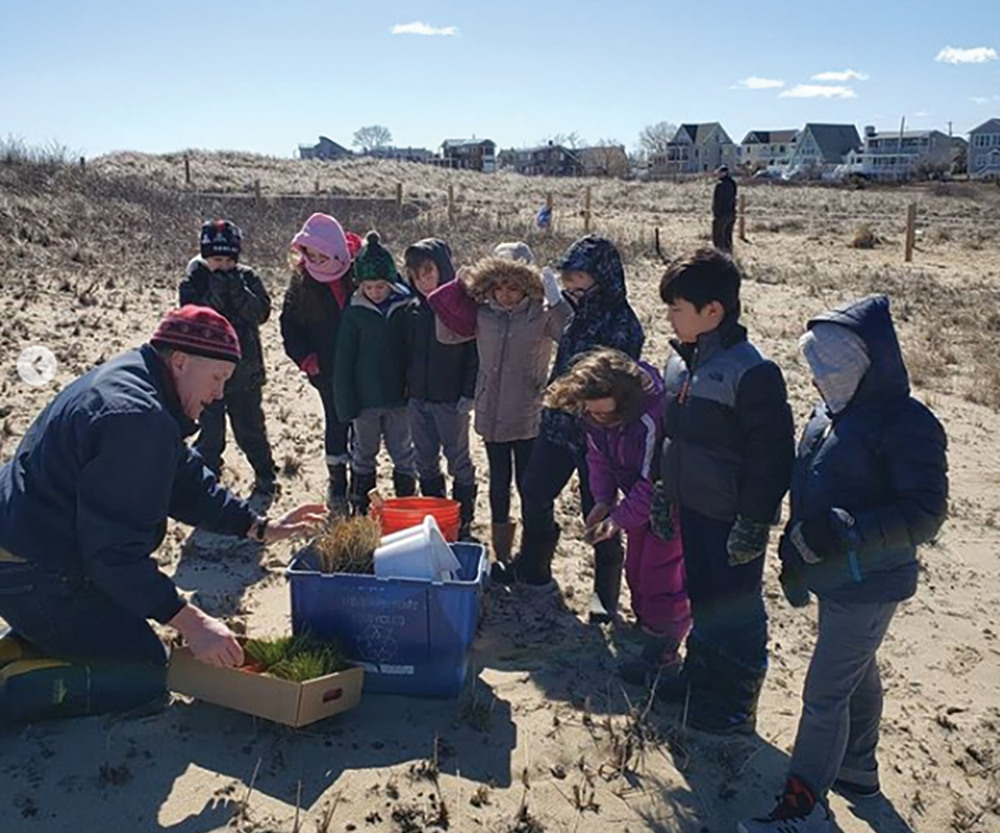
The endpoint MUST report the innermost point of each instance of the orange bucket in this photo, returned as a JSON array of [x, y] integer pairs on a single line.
[[397, 513]]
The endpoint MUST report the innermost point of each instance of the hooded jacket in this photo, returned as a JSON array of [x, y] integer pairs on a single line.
[[623, 458], [729, 440], [436, 372], [310, 320], [370, 365], [240, 296], [881, 462], [88, 492], [603, 318]]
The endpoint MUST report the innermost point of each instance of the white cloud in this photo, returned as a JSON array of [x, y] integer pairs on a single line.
[[976, 55], [755, 83], [846, 75], [817, 91], [978, 99], [921, 114], [418, 28]]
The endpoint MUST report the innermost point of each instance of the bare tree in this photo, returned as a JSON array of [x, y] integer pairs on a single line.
[[372, 138], [606, 158], [654, 138], [571, 140]]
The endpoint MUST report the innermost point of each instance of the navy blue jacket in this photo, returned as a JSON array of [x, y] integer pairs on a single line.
[[881, 461], [728, 434], [88, 492]]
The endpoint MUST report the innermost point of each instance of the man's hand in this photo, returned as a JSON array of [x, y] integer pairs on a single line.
[[210, 641], [308, 518]]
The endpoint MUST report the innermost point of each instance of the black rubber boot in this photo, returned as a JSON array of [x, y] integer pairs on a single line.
[[404, 485], [609, 556], [724, 691], [336, 491], [532, 566], [657, 662], [433, 486], [361, 485], [466, 497]]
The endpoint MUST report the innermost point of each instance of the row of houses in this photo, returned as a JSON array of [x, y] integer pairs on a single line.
[[816, 149], [830, 149]]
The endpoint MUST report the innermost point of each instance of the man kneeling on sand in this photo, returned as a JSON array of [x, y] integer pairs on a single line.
[[84, 504]]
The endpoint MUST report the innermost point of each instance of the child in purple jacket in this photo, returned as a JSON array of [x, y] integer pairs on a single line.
[[621, 401]]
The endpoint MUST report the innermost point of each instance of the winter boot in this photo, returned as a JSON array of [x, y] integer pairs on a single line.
[[336, 491], [657, 662], [503, 540], [724, 691], [361, 485], [404, 485], [465, 494], [433, 486], [532, 566], [609, 556]]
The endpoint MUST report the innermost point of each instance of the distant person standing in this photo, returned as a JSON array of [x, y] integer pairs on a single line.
[[723, 210]]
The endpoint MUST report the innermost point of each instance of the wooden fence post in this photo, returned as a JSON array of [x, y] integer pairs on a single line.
[[743, 217], [256, 188], [451, 204], [187, 169], [911, 224], [548, 205], [399, 199], [83, 163], [586, 211], [316, 188]]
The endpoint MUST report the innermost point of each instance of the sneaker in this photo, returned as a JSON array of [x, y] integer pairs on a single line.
[[797, 811], [856, 792]]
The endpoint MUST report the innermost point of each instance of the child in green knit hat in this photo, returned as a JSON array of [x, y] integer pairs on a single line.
[[369, 378]]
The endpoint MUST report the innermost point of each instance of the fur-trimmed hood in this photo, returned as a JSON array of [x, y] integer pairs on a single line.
[[481, 279]]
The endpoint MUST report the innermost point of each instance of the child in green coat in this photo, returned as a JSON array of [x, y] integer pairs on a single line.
[[369, 376]]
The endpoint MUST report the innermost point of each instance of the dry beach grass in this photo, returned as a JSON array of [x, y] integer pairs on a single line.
[[545, 738]]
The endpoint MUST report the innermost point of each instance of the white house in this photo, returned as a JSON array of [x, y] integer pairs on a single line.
[[767, 148], [890, 156], [822, 147], [695, 148], [984, 150]]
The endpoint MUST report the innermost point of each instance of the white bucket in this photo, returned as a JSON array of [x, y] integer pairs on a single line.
[[418, 552]]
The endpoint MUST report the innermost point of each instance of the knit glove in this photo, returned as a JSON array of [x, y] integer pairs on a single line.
[[823, 537], [661, 514], [553, 294], [465, 405], [310, 365], [747, 541], [793, 585]]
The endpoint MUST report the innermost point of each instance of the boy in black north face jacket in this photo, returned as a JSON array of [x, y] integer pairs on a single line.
[[725, 465], [215, 279]]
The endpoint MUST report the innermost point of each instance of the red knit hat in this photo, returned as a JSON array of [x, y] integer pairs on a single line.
[[199, 331]]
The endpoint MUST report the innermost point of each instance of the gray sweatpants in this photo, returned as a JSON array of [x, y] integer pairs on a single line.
[[374, 425], [842, 700], [437, 427]]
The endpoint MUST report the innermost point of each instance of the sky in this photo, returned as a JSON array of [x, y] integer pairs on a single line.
[[267, 75]]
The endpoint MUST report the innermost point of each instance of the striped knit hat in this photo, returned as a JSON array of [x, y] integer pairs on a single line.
[[199, 331]]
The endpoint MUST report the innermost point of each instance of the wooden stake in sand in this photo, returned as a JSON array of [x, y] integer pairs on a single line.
[[256, 188], [586, 211], [911, 228], [451, 204], [187, 169], [548, 206], [743, 217], [399, 199]]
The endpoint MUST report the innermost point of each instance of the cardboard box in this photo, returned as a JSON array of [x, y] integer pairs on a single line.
[[294, 704]]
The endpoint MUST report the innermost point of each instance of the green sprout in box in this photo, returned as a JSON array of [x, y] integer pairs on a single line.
[[296, 658]]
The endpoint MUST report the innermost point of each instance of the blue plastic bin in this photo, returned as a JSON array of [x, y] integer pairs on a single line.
[[411, 636]]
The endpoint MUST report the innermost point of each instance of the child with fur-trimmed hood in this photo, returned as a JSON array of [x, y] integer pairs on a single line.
[[516, 315]]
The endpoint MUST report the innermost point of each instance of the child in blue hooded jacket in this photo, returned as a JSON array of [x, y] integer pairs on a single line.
[[869, 486]]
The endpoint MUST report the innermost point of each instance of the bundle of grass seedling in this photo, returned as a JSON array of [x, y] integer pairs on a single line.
[[348, 546], [295, 658]]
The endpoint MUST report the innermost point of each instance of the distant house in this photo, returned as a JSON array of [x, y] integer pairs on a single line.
[[544, 160], [326, 149], [695, 148], [468, 154], [984, 150], [891, 157], [767, 148], [821, 147], [401, 154]]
